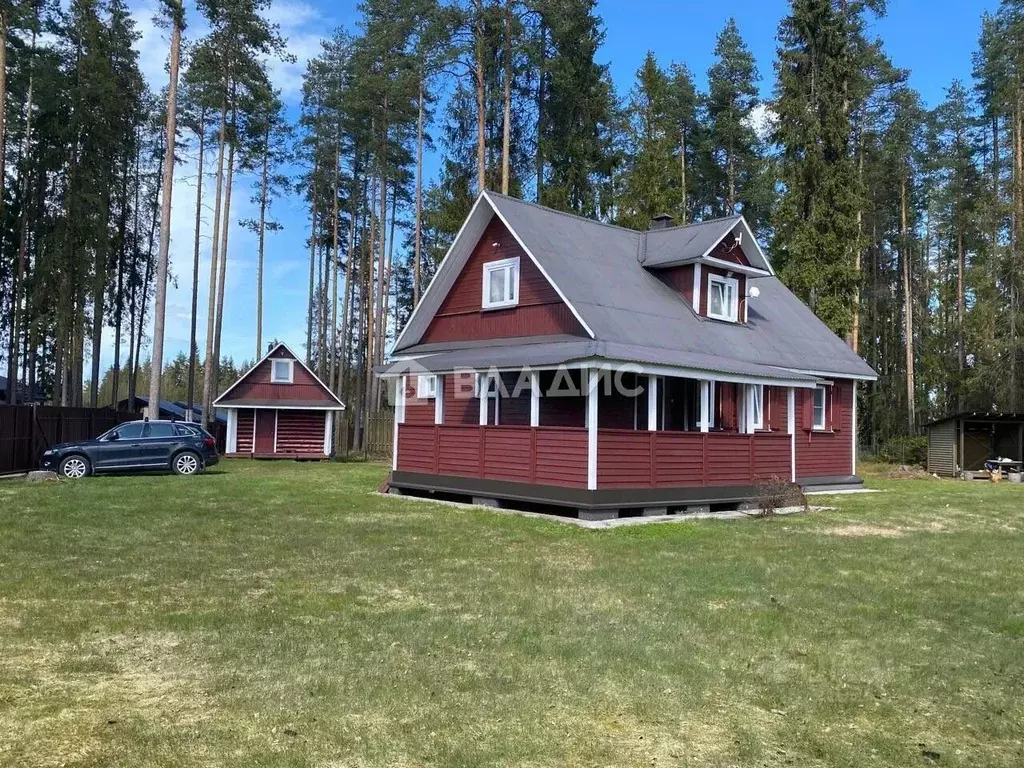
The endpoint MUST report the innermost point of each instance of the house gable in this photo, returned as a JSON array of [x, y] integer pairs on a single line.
[[256, 386], [540, 310]]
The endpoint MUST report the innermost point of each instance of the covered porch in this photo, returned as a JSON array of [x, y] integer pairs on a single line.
[[600, 438]]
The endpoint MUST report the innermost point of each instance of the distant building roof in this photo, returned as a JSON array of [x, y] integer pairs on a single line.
[[175, 409]]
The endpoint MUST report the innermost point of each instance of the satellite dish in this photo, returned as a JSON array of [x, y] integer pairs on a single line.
[[754, 292]]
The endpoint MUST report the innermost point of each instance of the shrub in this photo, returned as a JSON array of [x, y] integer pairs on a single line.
[[775, 494], [906, 449]]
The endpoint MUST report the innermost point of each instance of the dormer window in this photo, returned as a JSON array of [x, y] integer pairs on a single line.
[[282, 371], [723, 298], [501, 284]]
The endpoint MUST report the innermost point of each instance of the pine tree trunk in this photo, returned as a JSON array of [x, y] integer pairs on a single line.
[[223, 266], [209, 377], [858, 251], [18, 281], [160, 299], [312, 256], [264, 180], [115, 388], [347, 302], [908, 309], [418, 235], [481, 106], [682, 174], [98, 305], [376, 351], [334, 263], [506, 133], [540, 110], [192, 344]]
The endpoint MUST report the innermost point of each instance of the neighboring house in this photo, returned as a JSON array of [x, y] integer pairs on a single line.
[[280, 409], [656, 369], [169, 409], [38, 396]]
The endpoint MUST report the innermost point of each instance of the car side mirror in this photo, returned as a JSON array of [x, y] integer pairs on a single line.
[[114, 436]]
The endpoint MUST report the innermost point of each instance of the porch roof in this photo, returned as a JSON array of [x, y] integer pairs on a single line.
[[573, 351]]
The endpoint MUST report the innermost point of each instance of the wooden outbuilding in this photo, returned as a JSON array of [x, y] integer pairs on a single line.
[[280, 409], [965, 441]]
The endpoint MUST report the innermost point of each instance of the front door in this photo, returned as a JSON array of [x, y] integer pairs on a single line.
[[122, 452], [266, 426]]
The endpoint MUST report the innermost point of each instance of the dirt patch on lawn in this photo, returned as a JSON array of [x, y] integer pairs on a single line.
[[863, 531]]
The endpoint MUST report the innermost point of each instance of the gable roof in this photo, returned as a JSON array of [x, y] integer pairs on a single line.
[[222, 400], [598, 270]]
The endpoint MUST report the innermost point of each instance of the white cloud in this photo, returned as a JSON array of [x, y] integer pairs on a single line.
[[763, 120]]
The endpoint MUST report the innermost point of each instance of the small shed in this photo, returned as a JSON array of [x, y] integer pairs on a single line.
[[965, 441], [280, 409]]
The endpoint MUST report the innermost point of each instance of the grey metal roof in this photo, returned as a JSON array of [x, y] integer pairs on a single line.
[[597, 269], [985, 416], [687, 243]]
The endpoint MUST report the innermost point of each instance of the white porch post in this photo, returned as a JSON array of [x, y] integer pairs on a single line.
[[791, 428], [534, 398], [483, 385], [592, 381], [652, 403], [232, 440], [328, 432], [705, 405], [400, 386], [439, 399]]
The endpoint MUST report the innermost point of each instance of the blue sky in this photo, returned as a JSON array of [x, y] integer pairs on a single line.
[[934, 39]]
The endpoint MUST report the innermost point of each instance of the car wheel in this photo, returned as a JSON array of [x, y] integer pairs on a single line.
[[187, 463], [74, 467]]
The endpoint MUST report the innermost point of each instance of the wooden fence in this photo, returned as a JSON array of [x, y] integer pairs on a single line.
[[380, 435], [27, 430]]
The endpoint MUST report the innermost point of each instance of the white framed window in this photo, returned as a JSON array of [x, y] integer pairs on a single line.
[[501, 283], [282, 371], [426, 386], [755, 395], [818, 409], [723, 298]]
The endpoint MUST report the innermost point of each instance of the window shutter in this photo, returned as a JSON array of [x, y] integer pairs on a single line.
[[807, 396]]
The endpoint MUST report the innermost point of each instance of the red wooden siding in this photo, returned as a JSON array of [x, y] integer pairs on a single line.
[[459, 405], [828, 453], [256, 385], [244, 434], [544, 455], [417, 411], [705, 270], [540, 311], [680, 279], [636, 459], [727, 250], [300, 432]]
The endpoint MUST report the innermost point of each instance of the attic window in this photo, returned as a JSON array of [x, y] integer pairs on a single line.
[[723, 298], [282, 371], [501, 284]]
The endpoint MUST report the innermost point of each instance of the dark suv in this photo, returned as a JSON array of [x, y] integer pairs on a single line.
[[136, 446]]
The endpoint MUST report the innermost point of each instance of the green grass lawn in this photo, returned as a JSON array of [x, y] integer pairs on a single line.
[[281, 614]]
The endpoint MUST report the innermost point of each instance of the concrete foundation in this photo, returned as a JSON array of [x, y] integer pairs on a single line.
[[396, 491], [486, 501], [597, 514], [655, 511], [697, 509]]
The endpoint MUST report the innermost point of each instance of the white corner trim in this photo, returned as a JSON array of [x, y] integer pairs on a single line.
[[853, 438], [696, 287], [232, 439], [539, 266], [438, 400], [276, 414], [791, 428], [652, 403], [328, 432]]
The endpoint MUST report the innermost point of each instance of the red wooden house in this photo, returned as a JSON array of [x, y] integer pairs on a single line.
[[559, 360], [280, 410]]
